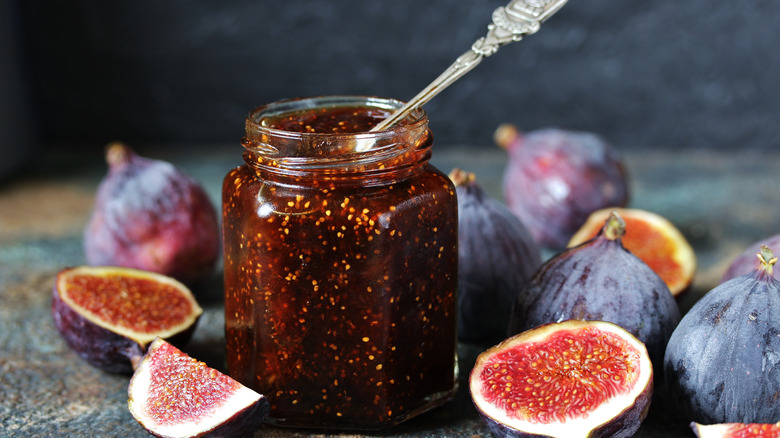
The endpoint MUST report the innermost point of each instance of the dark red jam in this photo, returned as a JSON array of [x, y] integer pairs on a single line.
[[340, 278]]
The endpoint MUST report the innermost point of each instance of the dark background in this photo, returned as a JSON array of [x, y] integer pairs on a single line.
[[644, 74]]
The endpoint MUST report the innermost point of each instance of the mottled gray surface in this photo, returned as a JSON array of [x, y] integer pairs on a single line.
[[722, 202]]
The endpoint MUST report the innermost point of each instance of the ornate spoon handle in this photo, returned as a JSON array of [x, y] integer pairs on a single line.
[[510, 23]]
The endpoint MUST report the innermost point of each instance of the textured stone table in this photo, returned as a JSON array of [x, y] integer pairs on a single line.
[[720, 201]]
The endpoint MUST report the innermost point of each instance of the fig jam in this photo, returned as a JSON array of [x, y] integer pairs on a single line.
[[340, 251]]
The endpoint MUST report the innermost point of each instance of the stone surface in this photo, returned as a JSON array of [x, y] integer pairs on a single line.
[[721, 202]]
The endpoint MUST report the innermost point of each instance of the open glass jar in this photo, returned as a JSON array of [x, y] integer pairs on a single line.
[[340, 251]]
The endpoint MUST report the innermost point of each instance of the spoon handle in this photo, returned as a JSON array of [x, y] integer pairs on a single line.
[[510, 23]]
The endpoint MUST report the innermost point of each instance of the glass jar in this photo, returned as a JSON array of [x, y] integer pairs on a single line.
[[340, 250]]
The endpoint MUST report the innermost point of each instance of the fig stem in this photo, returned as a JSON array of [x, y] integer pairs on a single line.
[[135, 353], [117, 154], [767, 259], [460, 177], [505, 135], [614, 227]]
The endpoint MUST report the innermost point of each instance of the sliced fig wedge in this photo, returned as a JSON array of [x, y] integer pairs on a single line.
[[109, 315], [573, 379], [736, 430], [174, 395]]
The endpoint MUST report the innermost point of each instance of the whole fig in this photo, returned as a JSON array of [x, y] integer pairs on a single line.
[[555, 178], [150, 215], [600, 280], [722, 364], [746, 261], [496, 256]]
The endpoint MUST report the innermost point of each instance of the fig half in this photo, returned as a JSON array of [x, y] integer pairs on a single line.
[[736, 430], [174, 395], [109, 315], [573, 379]]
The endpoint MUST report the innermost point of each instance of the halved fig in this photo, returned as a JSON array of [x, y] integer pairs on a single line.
[[736, 430], [174, 395], [652, 238], [109, 315], [573, 379]]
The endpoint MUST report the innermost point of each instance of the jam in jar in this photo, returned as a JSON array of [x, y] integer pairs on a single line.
[[340, 251]]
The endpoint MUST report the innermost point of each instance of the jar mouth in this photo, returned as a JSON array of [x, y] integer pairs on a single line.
[[279, 143]]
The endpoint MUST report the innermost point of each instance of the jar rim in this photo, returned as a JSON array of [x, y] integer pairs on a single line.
[[253, 121], [333, 156]]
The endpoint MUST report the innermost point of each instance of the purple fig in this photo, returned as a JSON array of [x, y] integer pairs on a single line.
[[150, 215], [746, 261], [496, 256], [722, 363], [555, 178], [600, 280]]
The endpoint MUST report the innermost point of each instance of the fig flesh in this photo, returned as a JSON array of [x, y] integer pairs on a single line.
[[736, 430], [555, 178], [570, 379], [496, 256], [600, 280], [722, 363], [652, 238], [174, 395], [150, 215], [746, 261], [109, 315]]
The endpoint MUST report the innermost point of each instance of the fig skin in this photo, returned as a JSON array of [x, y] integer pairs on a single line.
[[600, 280], [99, 346], [150, 215], [242, 422], [555, 178], [622, 424], [746, 261], [497, 256], [722, 363]]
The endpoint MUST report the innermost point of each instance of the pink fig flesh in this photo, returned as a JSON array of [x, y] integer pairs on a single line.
[[109, 315], [174, 395], [573, 379]]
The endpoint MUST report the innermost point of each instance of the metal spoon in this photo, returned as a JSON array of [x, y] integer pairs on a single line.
[[510, 23]]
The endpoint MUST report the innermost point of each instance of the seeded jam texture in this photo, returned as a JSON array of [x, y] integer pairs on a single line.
[[140, 304], [330, 285], [346, 120], [183, 389], [565, 376]]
